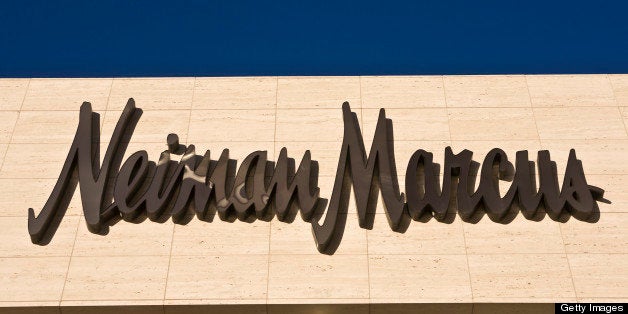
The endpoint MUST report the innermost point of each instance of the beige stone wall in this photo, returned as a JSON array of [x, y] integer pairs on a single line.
[[270, 262]]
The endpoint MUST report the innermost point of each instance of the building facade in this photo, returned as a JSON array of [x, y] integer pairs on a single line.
[[274, 266]]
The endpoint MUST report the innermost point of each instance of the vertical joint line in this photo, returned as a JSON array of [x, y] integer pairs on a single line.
[[270, 225], [466, 252], [617, 104], [19, 112], [67, 272], [538, 134]]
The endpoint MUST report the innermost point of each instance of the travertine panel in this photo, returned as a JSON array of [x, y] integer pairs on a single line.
[[153, 126], [235, 93], [620, 88], [46, 127], [518, 236], [116, 278], [255, 303], [318, 276], [599, 275], [343, 302], [487, 91], [232, 125], [232, 277], [598, 156], [608, 235], [624, 115], [32, 279], [221, 238], [152, 93], [17, 195], [614, 190], [12, 92], [419, 278], [579, 123], [410, 124], [528, 276], [125, 239], [153, 150], [30, 307], [570, 90], [402, 92], [492, 124], [34, 161], [310, 125], [296, 237], [601, 300], [238, 150], [481, 148], [318, 92], [7, 124], [421, 238], [17, 243], [325, 153], [67, 94], [3, 151], [405, 149]]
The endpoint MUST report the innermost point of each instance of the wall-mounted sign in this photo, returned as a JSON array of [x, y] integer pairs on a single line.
[[260, 189]]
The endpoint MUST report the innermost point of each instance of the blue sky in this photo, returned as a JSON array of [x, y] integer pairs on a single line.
[[231, 38]]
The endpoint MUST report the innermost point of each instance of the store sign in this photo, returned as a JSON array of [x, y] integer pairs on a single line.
[[200, 186]]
